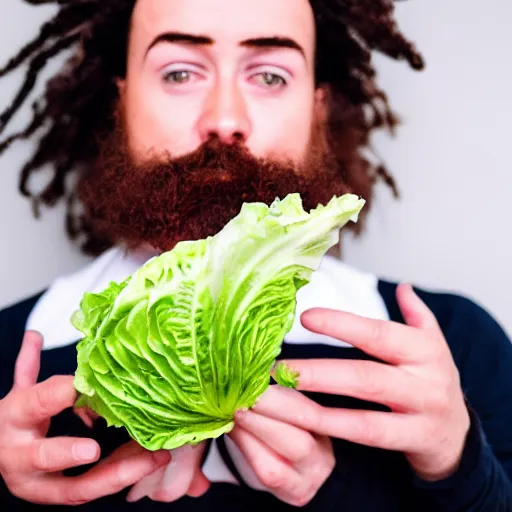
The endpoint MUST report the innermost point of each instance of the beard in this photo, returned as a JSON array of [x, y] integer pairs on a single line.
[[165, 200]]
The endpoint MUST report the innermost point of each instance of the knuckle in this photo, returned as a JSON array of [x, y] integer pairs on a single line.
[[322, 470], [439, 399], [123, 476], [42, 400], [303, 498], [442, 392], [305, 449], [127, 473], [315, 417], [271, 478], [9, 406], [371, 432], [372, 386], [431, 432], [438, 352], [378, 331], [316, 477], [41, 460]]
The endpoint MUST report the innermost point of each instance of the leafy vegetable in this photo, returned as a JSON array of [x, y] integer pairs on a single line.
[[286, 376], [176, 349]]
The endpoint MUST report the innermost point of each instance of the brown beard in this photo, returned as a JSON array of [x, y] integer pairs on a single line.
[[166, 200]]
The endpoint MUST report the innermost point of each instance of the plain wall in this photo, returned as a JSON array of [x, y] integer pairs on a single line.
[[449, 231], [451, 158], [32, 252]]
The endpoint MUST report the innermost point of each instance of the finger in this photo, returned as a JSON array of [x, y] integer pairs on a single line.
[[149, 485], [112, 476], [26, 369], [389, 431], [146, 486], [44, 400], [290, 442], [179, 473], [199, 486], [272, 471], [415, 311], [389, 341], [54, 454], [277, 398], [123, 452], [86, 415], [366, 380]]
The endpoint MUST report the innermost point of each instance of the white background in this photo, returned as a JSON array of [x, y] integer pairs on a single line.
[[451, 159]]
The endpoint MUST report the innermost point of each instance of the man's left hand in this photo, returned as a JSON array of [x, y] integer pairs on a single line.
[[417, 380]]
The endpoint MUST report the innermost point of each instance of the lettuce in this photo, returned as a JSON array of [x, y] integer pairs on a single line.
[[176, 349]]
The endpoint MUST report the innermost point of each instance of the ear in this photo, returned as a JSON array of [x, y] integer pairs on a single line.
[[322, 103]]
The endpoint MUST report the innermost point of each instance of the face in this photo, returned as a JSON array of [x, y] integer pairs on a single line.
[[235, 70], [218, 108]]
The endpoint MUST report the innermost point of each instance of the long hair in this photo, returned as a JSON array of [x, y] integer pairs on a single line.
[[76, 109]]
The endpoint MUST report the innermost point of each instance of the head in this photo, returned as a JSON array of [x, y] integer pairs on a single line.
[[174, 113]]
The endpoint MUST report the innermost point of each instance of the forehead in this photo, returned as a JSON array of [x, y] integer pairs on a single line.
[[226, 21]]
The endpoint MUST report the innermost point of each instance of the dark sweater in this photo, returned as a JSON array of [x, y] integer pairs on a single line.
[[365, 479]]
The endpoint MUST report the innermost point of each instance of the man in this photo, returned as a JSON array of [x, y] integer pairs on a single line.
[[173, 114]]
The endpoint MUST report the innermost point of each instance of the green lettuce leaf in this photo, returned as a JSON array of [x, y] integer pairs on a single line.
[[286, 376], [176, 349]]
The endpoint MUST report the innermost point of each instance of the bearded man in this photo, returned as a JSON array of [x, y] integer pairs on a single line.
[[168, 116]]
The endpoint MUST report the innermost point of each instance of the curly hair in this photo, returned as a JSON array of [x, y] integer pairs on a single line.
[[76, 110]]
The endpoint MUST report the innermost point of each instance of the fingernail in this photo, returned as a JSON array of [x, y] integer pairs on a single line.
[[162, 456], [85, 450]]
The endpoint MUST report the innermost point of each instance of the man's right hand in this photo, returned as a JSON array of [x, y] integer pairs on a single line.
[[31, 465]]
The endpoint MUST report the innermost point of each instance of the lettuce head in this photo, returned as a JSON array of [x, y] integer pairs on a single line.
[[172, 352]]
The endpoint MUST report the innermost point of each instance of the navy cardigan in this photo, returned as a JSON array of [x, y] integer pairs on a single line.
[[364, 479]]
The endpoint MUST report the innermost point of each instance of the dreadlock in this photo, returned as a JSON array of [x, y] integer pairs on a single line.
[[77, 108]]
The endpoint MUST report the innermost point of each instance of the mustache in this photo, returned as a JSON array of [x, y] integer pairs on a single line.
[[163, 200], [213, 160]]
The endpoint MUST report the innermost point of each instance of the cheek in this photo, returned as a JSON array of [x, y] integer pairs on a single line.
[[159, 122], [281, 129]]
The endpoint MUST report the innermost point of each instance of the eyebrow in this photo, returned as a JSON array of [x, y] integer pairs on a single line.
[[274, 42], [200, 40], [180, 38]]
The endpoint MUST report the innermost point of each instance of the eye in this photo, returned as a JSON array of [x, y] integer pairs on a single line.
[[182, 73], [178, 77], [270, 80]]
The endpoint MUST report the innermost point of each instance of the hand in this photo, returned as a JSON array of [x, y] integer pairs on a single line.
[[182, 476], [31, 464], [291, 463], [429, 420]]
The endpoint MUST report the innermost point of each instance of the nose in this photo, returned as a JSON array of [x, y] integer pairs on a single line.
[[225, 115]]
